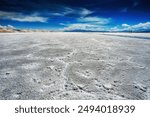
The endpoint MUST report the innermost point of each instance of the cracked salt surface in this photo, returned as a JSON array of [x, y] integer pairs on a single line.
[[74, 66]]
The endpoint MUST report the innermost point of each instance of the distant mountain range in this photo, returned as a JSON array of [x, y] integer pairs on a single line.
[[143, 31], [12, 30]]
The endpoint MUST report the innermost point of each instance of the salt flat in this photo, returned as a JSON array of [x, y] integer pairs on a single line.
[[58, 65]]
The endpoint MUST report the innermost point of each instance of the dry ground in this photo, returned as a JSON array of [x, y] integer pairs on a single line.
[[74, 66]]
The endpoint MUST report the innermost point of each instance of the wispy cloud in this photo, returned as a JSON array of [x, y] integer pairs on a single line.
[[84, 27], [124, 10], [68, 11], [21, 17], [31, 18], [95, 20], [84, 12], [88, 24]]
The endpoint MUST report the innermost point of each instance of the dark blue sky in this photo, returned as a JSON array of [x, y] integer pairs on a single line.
[[67, 15]]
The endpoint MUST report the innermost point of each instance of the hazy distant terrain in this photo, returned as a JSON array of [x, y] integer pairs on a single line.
[[58, 65]]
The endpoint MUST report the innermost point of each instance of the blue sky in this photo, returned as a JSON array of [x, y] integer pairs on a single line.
[[76, 15]]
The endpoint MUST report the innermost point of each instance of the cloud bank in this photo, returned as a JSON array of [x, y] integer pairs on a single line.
[[89, 24], [83, 27], [135, 28]]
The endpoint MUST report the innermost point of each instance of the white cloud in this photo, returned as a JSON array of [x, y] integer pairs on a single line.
[[62, 24], [7, 27], [116, 28], [57, 14], [95, 27], [78, 26], [138, 27], [83, 26], [68, 10], [22, 18], [125, 25], [143, 25], [82, 12], [2, 27], [31, 18], [85, 12], [89, 24], [10, 26], [96, 20]]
